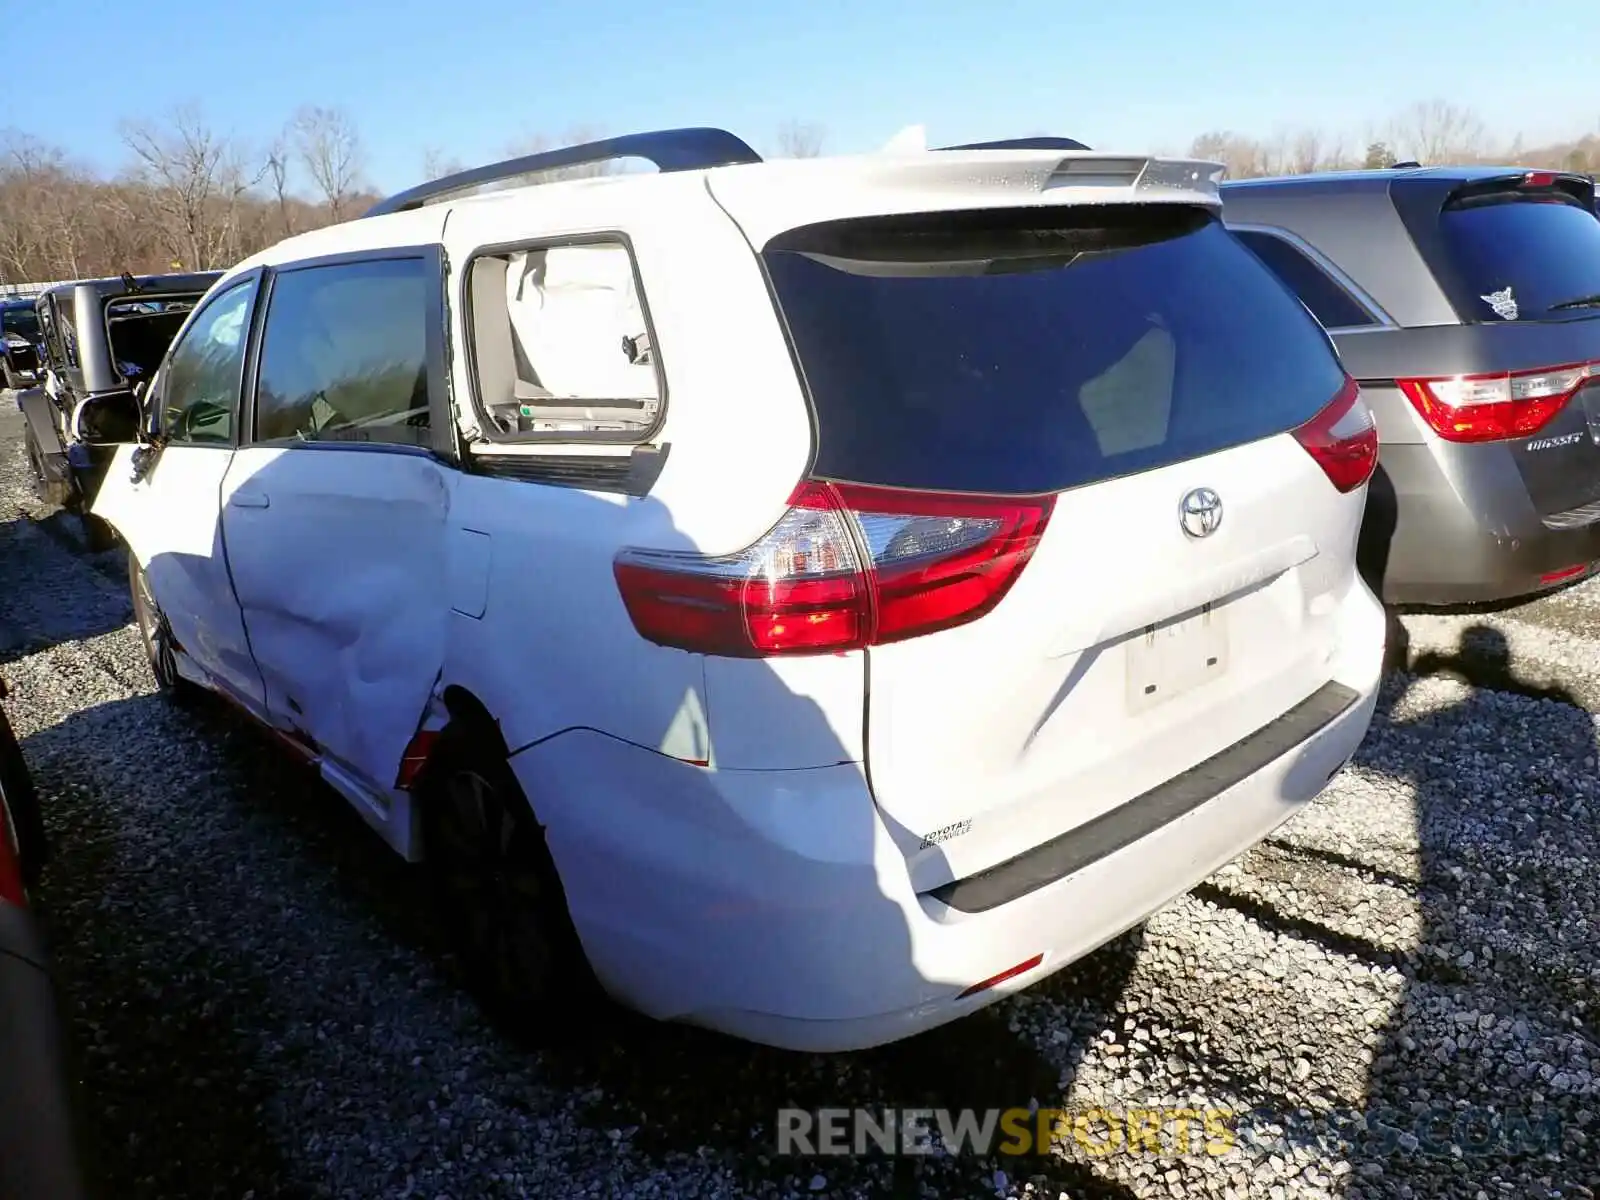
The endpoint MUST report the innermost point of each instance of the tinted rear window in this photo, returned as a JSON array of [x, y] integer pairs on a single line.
[[1329, 303], [1021, 351], [23, 321], [1511, 257]]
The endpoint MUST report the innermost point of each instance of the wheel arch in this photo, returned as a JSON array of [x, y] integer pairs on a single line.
[[472, 714], [466, 719]]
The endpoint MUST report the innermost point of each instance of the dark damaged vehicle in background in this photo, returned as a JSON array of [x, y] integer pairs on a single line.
[[102, 340], [19, 342], [1466, 301]]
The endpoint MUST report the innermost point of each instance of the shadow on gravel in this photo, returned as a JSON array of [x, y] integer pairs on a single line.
[[43, 602], [1484, 1077], [1483, 659], [685, 1091]]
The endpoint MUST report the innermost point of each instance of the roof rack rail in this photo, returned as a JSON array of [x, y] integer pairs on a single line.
[[669, 149], [1027, 143]]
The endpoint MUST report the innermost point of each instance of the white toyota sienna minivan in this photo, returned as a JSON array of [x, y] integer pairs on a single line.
[[811, 599]]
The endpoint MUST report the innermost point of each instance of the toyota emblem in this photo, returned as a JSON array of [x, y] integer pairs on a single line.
[[1200, 513]]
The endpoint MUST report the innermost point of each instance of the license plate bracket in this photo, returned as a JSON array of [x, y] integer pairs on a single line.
[[1165, 661]]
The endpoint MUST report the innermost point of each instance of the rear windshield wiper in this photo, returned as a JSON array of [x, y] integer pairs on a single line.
[[1580, 302]]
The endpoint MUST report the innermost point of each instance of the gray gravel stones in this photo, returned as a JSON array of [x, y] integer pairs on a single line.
[[1398, 995]]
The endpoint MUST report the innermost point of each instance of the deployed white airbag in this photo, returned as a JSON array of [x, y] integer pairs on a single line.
[[572, 309]]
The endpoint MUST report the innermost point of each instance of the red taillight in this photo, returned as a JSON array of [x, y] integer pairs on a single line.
[[847, 567], [1492, 408], [1540, 179], [1343, 438]]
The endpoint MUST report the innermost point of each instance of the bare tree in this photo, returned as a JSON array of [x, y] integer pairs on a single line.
[[1241, 156], [186, 200], [195, 180], [796, 139], [436, 166], [1277, 154], [1435, 131], [330, 149], [278, 172], [538, 143], [1307, 155]]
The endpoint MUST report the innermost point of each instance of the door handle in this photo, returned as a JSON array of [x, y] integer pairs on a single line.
[[249, 500]]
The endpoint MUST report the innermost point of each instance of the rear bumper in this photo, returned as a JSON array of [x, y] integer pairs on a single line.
[[1438, 536], [37, 1150], [775, 906]]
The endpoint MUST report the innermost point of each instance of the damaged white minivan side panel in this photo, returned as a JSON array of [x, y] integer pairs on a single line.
[[616, 340], [322, 497]]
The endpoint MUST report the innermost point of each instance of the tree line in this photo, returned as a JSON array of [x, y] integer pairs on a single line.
[[1429, 132], [187, 197], [190, 197]]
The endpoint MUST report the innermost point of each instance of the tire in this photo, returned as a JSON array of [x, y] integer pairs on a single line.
[[55, 495], [158, 641], [497, 892], [41, 485], [21, 806]]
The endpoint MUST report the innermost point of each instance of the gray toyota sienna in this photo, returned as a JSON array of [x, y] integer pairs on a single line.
[[1466, 301]]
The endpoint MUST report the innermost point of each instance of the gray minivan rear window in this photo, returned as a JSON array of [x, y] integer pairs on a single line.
[[1518, 256], [1035, 350]]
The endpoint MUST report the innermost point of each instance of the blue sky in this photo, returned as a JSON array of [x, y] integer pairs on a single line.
[[471, 77]]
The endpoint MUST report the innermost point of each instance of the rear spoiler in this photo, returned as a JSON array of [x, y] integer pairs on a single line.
[[1555, 186], [765, 205]]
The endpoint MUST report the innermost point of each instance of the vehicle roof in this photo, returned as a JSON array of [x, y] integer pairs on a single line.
[[1361, 180], [767, 196], [113, 287]]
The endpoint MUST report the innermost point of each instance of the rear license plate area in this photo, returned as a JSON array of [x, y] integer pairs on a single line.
[[1165, 661]]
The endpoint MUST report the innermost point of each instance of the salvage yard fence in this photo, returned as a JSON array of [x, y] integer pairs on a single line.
[[10, 291]]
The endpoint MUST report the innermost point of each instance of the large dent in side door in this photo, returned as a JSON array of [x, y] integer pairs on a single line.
[[343, 581]]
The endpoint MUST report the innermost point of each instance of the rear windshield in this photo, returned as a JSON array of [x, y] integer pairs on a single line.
[[141, 330], [1518, 257], [22, 321], [1025, 351]]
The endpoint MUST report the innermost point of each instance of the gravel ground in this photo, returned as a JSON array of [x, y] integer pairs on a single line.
[[260, 1006]]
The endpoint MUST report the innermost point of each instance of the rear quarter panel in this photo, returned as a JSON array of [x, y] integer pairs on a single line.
[[1355, 225], [554, 648]]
